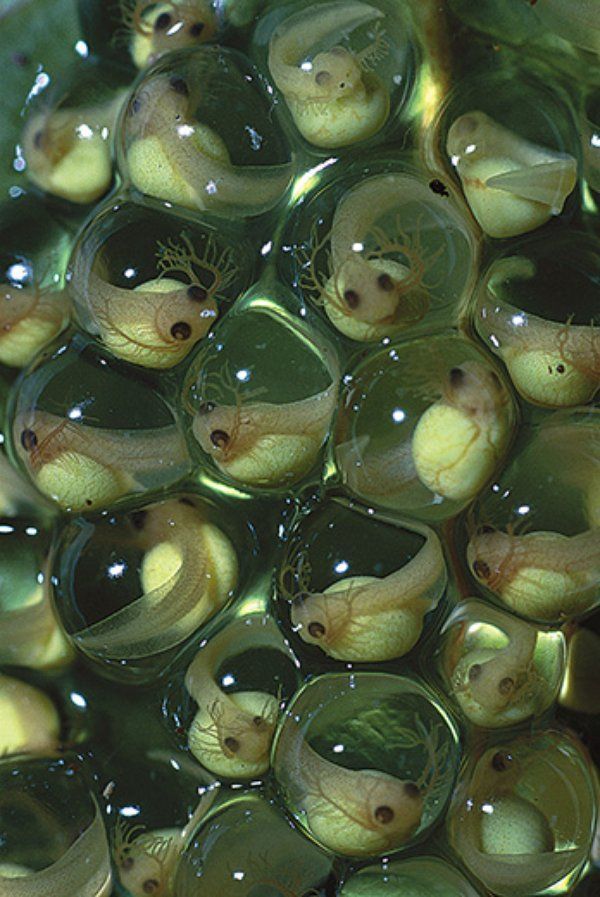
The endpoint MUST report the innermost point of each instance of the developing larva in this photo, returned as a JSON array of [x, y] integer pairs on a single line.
[[334, 96]]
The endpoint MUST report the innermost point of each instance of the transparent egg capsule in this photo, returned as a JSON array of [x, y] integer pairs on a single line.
[[176, 144], [591, 139], [417, 877], [247, 848], [552, 353], [154, 29], [517, 163], [523, 815], [423, 426], [499, 669], [34, 307], [150, 285], [578, 690], [234, 685], [29, 719], [52, 836], [155, 802], [360, 585], [88, 434], [533, 537], [31, 635], [255, 427], [365, 762], [384, 253], [131, 587], [340, 66], [65, 147], [576, 21]]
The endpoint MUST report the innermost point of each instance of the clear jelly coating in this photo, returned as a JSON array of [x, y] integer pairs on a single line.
[[365, 762], [360, 586], [34, 306], [416, 877], [66, 141], [533, 535], [246, 847], [524, 813], [517, 163], [424, 424], [133, 586], [500, 670], [551, 351], [88, 434], [228, 704], [150, 285], [53, 840], [175, 143], [262, 394], [380, 251], [337, 66]]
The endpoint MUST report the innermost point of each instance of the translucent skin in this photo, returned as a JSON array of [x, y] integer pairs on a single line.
[[174, 157], [367, 294], [369, 618], [489, 683], [67, 150], [84, 467], [574, 20], [188, 572], [231, 733], [512, 186], [542, 575], [157, 323], [352, 812], [455, 448], [265, 444], [333, 99], [551, 364], [30, 317], [157, 28]]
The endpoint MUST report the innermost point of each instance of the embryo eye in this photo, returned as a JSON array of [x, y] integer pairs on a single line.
[[28, 440], [162, 22]]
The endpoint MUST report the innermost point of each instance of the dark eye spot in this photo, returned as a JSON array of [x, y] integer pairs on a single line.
[[89, 502], [484, 528], [138, 519], [351, 298], [385, 282], [506, 685], [258, 721], [219, 438], [342, 85], [501, 761], [162, 22], [384, 814], [474, 672], [322, 78], [196, 29], [316, 629], [135, 107], [481, 569], [37, 139], [28, 440], [560, 368], [150, 886], [206, 407], [181, 331], [179, 86], [438, 187], [232, 744], [196, 293], [127, 863], [456, 377], [412, 790]]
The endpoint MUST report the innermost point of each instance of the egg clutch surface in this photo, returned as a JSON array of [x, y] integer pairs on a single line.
[[299, 468]]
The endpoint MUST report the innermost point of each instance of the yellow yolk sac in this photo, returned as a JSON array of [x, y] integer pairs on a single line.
[[511, 185]]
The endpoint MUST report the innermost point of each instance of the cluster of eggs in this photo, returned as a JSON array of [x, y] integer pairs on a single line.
[[300, 480]]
